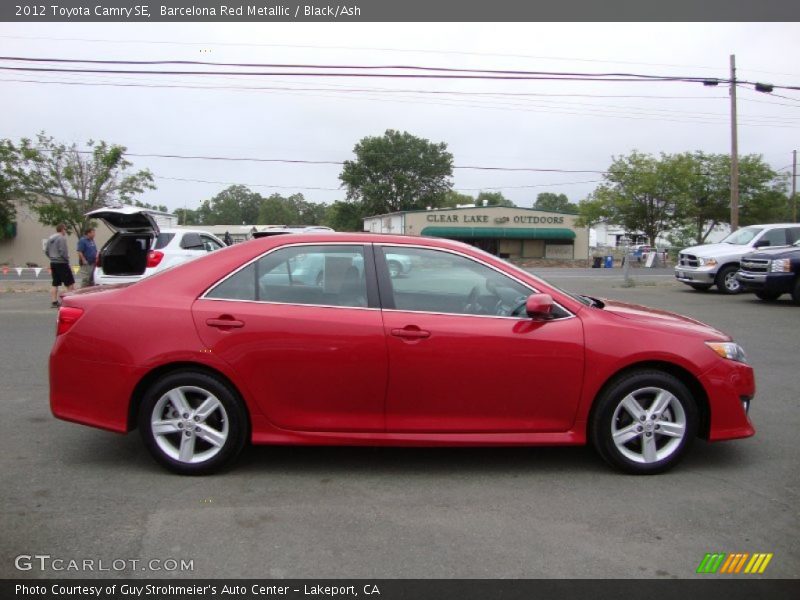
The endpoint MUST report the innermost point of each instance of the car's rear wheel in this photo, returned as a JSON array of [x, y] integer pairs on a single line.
[[644, 422], [726, 280], [700, 287], [192, 423], [768, 296]]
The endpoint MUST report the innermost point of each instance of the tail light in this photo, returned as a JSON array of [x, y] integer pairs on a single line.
[[154, 258], [67, 317]]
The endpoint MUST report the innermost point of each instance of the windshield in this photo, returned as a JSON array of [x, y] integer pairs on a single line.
[[743, 236]]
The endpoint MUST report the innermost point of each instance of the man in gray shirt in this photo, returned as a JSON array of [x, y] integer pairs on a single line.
[[58, 254]]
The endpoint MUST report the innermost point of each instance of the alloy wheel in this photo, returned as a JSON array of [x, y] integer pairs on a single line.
[[648, 425], [189, 424]]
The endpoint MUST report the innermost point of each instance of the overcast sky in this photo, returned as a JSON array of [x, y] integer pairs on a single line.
[[566, 125]]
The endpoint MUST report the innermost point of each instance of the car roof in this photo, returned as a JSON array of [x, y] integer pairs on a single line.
[[360, 238], [182, 230]]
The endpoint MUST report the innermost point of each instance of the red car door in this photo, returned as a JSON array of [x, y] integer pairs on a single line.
[[310, 349], [459, 361]]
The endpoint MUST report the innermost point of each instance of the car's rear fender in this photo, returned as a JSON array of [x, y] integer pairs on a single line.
[[172, 367]]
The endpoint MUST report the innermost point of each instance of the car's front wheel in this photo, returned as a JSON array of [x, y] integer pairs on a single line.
[[644, 422], [192, 423], [726, 280]]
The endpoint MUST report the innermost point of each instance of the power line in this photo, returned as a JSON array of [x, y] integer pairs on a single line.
[[339, 189], [330, 162], [376, 90], [345, 66], [361, 75], [332, 71], [339, 163], [529, 106], [462, 72], [382, 49], [520, 187], [281, 187]]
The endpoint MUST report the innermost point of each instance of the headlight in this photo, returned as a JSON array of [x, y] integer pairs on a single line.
[[729, 350], [707, 262], [780, 265]]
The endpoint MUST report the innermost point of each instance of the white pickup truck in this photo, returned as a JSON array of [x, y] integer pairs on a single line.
[[701, 267]]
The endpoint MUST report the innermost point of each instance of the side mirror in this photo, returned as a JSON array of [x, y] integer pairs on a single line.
[[761, 244], [538, 306]]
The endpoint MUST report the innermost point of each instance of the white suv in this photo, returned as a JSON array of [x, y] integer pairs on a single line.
[[716, 264], [139, 248]]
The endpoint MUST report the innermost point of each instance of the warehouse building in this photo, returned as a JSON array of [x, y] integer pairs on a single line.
[[515, 233]]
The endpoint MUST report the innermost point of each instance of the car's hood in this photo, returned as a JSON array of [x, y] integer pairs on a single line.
[[716, 250], [654, 316], [777, 252]]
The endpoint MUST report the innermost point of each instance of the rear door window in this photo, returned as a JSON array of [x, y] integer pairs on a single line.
[[163, 239], [309, 275]]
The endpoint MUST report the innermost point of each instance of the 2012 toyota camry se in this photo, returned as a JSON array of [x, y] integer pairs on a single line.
[[463, 350]]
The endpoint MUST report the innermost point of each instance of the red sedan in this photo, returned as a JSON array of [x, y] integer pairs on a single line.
[[285, 340]]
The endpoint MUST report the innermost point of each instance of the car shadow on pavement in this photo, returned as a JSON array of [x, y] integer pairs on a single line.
[[105, 450], [417, 461]]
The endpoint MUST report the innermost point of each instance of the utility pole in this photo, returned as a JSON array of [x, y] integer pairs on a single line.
[[734, 152], [794, 186]]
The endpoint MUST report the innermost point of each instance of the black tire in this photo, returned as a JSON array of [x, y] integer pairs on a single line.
[[796, 291], [395, 269], [700, 287], [225, 425], [610, 416], [768, 296], [726, 281]]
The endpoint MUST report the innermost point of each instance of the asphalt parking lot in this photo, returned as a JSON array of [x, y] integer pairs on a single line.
[[77, 493]]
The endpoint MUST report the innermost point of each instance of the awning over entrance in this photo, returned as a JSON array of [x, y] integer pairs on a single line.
[[519, 233]]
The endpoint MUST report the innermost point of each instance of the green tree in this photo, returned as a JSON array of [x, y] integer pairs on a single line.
[[493, 199], [453, 198], [9, 187], [147, 205], [345, 216], [704, 186], [555, 202], [187, 216], [235, 205], [641, 193], [398, 171], [291, 210], [63, 183]]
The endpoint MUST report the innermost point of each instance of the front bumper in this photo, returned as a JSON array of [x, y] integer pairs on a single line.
[[704, 275], [731, 387], [768, 282]]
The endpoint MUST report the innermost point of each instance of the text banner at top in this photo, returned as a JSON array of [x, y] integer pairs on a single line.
[[397, 10]]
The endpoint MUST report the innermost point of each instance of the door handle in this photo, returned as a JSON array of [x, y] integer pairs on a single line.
[[225, 322], [411, 332]]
